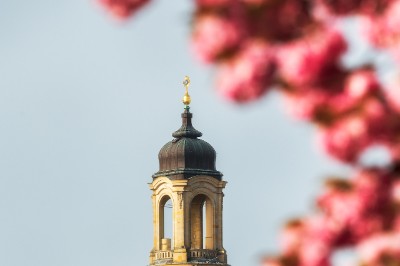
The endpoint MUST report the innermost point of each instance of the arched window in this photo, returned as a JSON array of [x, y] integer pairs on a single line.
[[202, 223], [166, 223]]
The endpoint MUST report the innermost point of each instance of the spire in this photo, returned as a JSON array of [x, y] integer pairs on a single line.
[[186, 130]]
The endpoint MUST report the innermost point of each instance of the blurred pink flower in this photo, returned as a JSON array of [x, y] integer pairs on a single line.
[[373, 29], [396, 223], [315, 253], [327, 102], [312, 59], [321, 228], [392, 20], [256, 2], [309, 242], [271, 262], [291, 237], [381, 249], [395, 192], [346, 139], [213, 3], [123, 9], [318, 103], [377, 118], [371, 186], [384, 31], [215, 36], [348, 7], [365, 227], [339, 202], [392, 93], [279, 21], [303, 105], [361, 83], [318, 241], [249, 75]]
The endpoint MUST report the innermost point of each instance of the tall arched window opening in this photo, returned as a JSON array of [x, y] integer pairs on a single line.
[[166, 224], [202, 223]]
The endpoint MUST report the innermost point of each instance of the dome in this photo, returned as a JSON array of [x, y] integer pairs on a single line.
[[186, 155]]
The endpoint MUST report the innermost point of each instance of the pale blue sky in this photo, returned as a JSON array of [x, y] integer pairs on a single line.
[[85, 105]]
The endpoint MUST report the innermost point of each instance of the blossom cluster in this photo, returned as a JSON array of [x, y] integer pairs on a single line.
[[363, 212], [296, 47], [123, 9]]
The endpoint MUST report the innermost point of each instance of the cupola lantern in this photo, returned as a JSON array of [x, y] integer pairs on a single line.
[[188, 178]]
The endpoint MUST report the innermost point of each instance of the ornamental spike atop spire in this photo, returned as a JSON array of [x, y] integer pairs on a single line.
[[186, 130], [186, 98]]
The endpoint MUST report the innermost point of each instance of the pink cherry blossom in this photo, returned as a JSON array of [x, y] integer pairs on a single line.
[[123, 9], [340, 202], [346, 139], [392, 93], [374, 113], [315, 253], [369, 124], [372, 29], [346, 7], [391, 24], [215, 36], [361, 83], [303, 105], [381, 249], [321, 102], [269, 261], [384, 31], [279, 21], [213, 3], [248, 75], [318, 240], [352, 209], [327, 102], [256, 2], [395, 192], [396, 223], [365, 226], [370, 186], [309, 242], [291, 237], [311, 59], [322, 228]]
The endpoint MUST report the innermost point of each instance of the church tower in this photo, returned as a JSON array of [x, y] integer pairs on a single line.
[[188, 178]]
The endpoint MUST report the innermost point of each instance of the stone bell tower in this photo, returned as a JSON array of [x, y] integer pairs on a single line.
[[188, 178]]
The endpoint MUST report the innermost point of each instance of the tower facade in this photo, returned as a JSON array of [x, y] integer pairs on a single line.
[[188, 177]]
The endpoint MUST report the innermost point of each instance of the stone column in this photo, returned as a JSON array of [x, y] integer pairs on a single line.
[[180, 252], [155, 229], [219, 225]]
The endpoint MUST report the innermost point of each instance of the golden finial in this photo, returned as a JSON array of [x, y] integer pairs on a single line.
[[186, 98]]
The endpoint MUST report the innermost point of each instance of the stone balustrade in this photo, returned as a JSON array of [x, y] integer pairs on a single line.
[[164, 255], [203, 253]]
